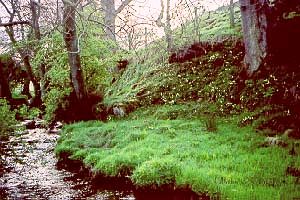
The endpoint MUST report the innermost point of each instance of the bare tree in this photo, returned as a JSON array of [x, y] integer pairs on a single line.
[[24, 52], [167, 24], [110, 14]]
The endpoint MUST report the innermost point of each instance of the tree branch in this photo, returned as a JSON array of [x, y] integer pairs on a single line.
[[14, 23], [122, 6], [159, 22]]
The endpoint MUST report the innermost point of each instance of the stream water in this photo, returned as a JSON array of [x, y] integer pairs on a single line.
[[29, 170]]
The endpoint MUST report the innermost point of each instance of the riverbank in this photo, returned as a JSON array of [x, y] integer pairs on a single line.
[[154, 153]]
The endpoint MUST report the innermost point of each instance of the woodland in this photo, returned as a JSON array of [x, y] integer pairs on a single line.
[[186, 98]]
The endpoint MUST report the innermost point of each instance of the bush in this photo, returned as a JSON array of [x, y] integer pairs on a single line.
[[24, 112], [7, 119]]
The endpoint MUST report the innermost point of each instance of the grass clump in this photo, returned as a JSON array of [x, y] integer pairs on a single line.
[[182, 153], [157, 172]]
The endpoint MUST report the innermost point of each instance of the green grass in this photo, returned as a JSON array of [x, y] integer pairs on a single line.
[[152, 151]]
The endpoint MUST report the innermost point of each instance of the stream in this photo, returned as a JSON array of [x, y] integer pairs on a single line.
[[30, 170]]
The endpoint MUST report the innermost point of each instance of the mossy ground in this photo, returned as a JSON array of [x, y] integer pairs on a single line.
[[153, 150]]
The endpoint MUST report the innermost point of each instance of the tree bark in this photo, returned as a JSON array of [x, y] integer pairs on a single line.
[[197, 25], [71, 42], [26, 88], [34, 7], [168, 29], [254, 24], [108, 7]]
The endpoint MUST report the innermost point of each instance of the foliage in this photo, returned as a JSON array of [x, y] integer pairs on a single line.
[[257, 92], [28, 113], [55, 99], [97, 58], [188, 110], [170, 143], [57, 77], [230, 164], [96, 61], [7, 119]]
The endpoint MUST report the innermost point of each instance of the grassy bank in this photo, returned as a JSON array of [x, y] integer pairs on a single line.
[[154, 151]]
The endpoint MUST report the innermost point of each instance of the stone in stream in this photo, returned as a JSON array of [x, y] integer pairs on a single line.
[[56, 128], [29, 124], [39, 123]]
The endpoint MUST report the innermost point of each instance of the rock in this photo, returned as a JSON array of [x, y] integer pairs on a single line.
[[274, 141], [119, 111], [39, 123], [54, 130], [29, 124], [58, 125]]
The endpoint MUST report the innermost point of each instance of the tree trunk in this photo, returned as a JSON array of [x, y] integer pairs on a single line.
[[197, 25], [271, 34], [26, 88], [110, 14], [254, 24], [35, 12], [166, 25], [34, 7], [37, 99], [108, 7], [71, 42], [168, 29], [231, 14], [4, 85]]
